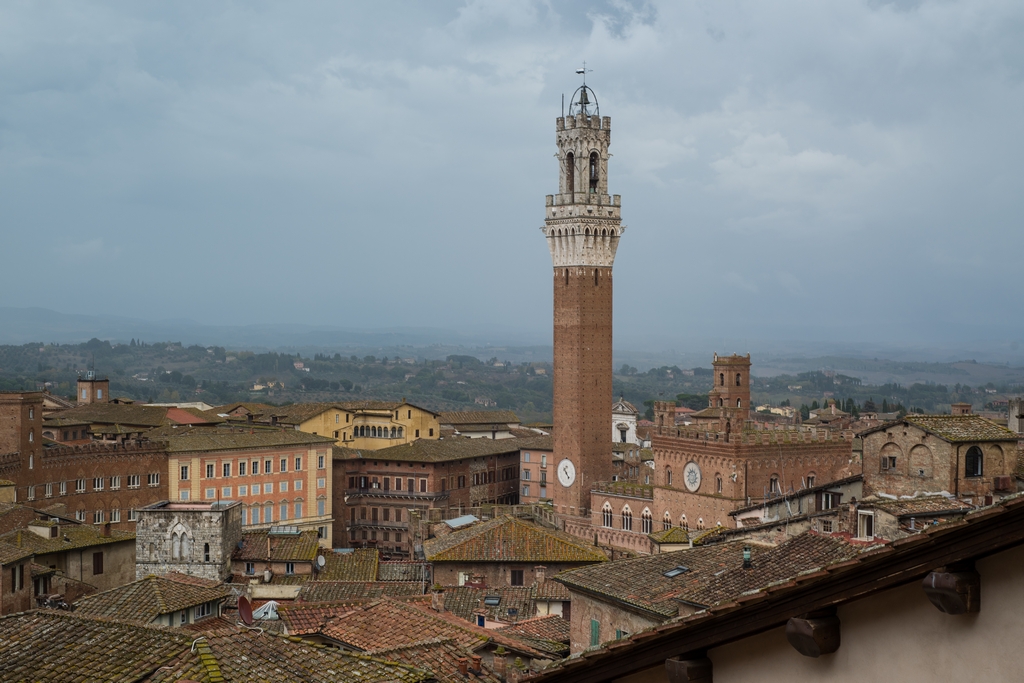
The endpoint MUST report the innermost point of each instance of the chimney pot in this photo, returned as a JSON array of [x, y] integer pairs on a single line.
[[476, 663], [463, 666]]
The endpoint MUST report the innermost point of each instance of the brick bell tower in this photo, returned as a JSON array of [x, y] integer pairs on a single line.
[[582, 227]]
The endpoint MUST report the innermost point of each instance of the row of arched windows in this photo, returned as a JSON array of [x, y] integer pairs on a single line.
[[374, 431], [570, 172], [721, 379]]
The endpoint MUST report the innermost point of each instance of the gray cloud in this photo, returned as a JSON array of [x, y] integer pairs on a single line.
[[838, 171]]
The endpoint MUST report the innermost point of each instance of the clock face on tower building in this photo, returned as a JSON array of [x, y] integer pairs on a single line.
[[566, 472], [691, 476]]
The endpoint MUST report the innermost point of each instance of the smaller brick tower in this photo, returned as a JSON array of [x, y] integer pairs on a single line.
[[91, 389], [731, 392]]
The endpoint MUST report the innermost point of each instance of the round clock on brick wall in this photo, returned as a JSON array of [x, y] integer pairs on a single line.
[[566, 473], [691, 476]]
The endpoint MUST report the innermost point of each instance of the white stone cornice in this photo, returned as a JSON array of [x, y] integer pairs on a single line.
[[589, 243]]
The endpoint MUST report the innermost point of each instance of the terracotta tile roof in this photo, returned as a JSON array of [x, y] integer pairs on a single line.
[[335, 591], [953, 428], [640, 582], [115, 413], [70, 537], [444, 450], [478, 418], [10, 552], [51, 646], [302, 618], [204, 439], [252, 656], [390, 623], [360, 564], [549, 633], [675, 534], [402, 571], [440, 656], [549, 589], [529, 433], [247, 408], [301, 547], [507, 539], [803, 554], [464, 600], [144, 600], [191, 416], [918, 506]]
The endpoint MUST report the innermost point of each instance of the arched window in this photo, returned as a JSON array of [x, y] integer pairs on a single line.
[[206, 552], [176, 547], [737, 379], [721, 378], [739, 403], [700, 523], [606, 514], [399, 432], [773, 485], [570, 173], [595, 166], [718, 483], [720, 403], [666, 522], [682, 521], [31, 435], [974, 464], [646, 522], [627, 519], [668, 476]]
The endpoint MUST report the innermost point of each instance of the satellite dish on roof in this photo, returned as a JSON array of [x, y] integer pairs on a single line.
[[245, 610], [321, 561]]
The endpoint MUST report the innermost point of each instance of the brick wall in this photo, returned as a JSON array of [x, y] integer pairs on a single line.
[[609, 617], [582, 380]]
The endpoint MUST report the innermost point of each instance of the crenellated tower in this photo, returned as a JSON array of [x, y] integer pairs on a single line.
[[582, 227]]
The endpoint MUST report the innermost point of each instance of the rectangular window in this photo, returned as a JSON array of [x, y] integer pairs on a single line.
[[183, 616], [398, 483], [183, 494], [115, 483], [153, 479], [374, 513], [255, 467], [526, 474], [268, 487], [387, 514], [865, 525], [63, 488], [184, 472], [268, 514], [423, 485], [526, 490], [320, 507], [133, 515], [225, 469], [243, 490], [526, 457], [289, 568], [284, 464], [268, 465], [97, 563], [245, 516], [319, 462], [321, 483], [411, 485], [284, 511], [134, 481], [543, 459], [298, 463], [826, 526], [210, 493], [241, 468], [417, 433], [80, 515], [31, 492], [250, 568], [516, 577], [398, 514], [255, 515], [115, 515], [297, 485], [595, 633], [97, 483], [209, 470], [79, 485], [200, 611], [225, 492], [387, 483], [298, 510], [282, 486], [17, 577], [97, 516], [431, 431]]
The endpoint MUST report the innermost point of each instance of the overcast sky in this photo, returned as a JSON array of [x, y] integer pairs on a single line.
[[827, 171]]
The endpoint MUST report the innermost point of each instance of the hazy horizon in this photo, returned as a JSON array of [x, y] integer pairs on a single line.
[[842, 174]]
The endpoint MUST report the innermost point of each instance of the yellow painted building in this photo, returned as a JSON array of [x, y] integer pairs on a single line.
[[368, 425]]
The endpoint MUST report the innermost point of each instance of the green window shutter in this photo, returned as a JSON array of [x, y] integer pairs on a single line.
[[618, 634], [595, 632]]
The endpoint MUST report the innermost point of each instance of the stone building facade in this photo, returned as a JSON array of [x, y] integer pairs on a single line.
[[582, 227], [189, 538], [377, 491], [965, 455]]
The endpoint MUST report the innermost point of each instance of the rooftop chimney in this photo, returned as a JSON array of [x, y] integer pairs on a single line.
[[476, 668], [106, 530], [437, 600], [463, 666], [539, 570], [746, 557]]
